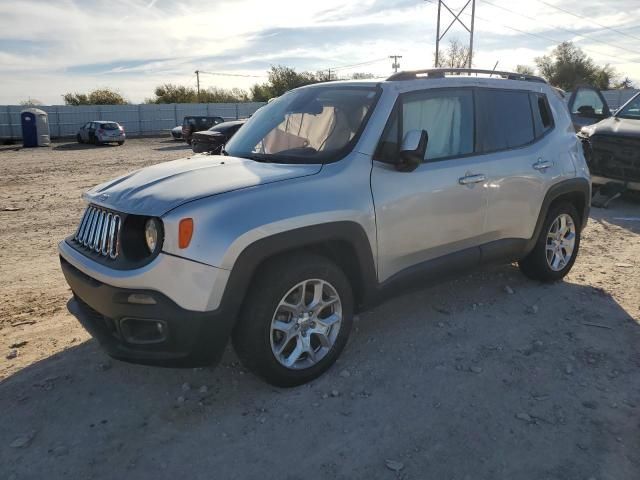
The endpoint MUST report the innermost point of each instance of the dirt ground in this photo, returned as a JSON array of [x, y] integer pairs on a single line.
[[490, 376]]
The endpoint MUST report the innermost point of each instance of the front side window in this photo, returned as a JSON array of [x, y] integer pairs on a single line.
[[309, 125], [504, 120], [631, 110], [446, 115], [587, 102]]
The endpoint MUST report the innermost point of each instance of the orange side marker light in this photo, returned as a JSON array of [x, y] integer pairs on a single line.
[[185, 232]]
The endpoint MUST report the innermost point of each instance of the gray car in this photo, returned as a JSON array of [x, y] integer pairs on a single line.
[[327, 200], [99, 132]]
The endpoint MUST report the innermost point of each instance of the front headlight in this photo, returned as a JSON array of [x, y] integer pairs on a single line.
[[151, 233]]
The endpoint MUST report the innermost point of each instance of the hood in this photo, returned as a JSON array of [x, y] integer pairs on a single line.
[[615, 126], [208, 135], [157, 189]]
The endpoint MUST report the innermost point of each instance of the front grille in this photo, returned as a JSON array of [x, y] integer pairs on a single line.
[[99, 232], [615, 157]]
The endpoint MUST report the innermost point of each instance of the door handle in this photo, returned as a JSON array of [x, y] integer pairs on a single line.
[[542, 164], [469, 179]]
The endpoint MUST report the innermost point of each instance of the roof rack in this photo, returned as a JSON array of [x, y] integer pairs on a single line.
[[440, 73]]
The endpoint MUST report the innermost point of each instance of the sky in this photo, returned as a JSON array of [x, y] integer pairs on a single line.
[[48, 48]]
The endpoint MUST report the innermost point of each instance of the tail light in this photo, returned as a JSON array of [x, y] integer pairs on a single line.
[[100, 131]]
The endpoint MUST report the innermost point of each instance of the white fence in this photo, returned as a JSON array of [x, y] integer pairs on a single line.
[[64, 121], [616, 98]]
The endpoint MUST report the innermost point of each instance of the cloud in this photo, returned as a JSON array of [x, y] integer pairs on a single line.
[[51, 47]]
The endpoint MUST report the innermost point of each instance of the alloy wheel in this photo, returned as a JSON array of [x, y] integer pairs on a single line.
[[561, 241], [306, 324]]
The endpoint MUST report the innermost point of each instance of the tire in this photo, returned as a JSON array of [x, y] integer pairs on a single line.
[[79, 138], [96, 141], [546, 264], [120, 143], [257, 342]]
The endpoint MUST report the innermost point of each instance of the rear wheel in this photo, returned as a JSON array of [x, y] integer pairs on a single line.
[[557, 246], [96, 141], [121, 143], [296, 319]]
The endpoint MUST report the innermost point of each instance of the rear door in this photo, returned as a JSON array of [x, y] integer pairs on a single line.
[[514, 129], [587, 106]]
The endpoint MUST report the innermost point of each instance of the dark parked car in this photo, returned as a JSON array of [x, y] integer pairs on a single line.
[[611, 142], [193, 124], [213, 140]]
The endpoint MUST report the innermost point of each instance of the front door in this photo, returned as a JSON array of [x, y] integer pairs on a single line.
[[440, 207]]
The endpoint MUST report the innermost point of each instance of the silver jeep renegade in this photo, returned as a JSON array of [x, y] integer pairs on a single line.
[[325, 200]]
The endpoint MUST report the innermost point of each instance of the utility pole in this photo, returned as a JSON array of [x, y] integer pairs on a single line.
[[395, 65], [198, 83], [456, 18], [329, 74]]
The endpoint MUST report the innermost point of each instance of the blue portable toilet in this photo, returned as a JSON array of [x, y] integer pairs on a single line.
[[35, 128]]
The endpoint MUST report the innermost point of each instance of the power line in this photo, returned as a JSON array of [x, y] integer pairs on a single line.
[[606, 27], [554, 26], [544, 37], [342, 67], [225, 74]]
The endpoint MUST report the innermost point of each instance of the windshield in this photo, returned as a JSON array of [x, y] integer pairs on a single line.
[[309, 125], [631, 110]]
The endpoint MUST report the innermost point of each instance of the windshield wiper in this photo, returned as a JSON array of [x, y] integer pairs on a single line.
[[260, 157]]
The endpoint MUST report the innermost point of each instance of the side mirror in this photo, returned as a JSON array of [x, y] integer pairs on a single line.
[[413, 150]]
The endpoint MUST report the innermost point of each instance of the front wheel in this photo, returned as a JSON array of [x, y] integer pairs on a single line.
[[121, 143], [557, 246], [79, 138], [296, 319]]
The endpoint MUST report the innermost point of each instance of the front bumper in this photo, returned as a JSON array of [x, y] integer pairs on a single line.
[[599, 180], [188, 338]]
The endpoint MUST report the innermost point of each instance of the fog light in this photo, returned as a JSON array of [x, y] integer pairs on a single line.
[[141, 299], [143, 331]]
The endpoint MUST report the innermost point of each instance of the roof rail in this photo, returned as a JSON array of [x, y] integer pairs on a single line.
[[440, 73]]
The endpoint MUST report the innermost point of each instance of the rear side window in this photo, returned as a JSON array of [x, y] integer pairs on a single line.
[[542, 117], [504, 120]]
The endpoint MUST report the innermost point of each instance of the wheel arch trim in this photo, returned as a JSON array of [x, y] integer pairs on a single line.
[[255, 254], [580, 186]]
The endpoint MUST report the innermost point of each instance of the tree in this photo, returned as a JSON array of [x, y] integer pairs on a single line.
[[626, 82], [525, 70], [30, 102], [223, 95], [170, 93], [361, 76], [455, 56], [281, 80], [568, 66], [100, 96]]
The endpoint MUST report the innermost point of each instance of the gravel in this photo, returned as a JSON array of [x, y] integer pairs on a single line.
[[404, 399]]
